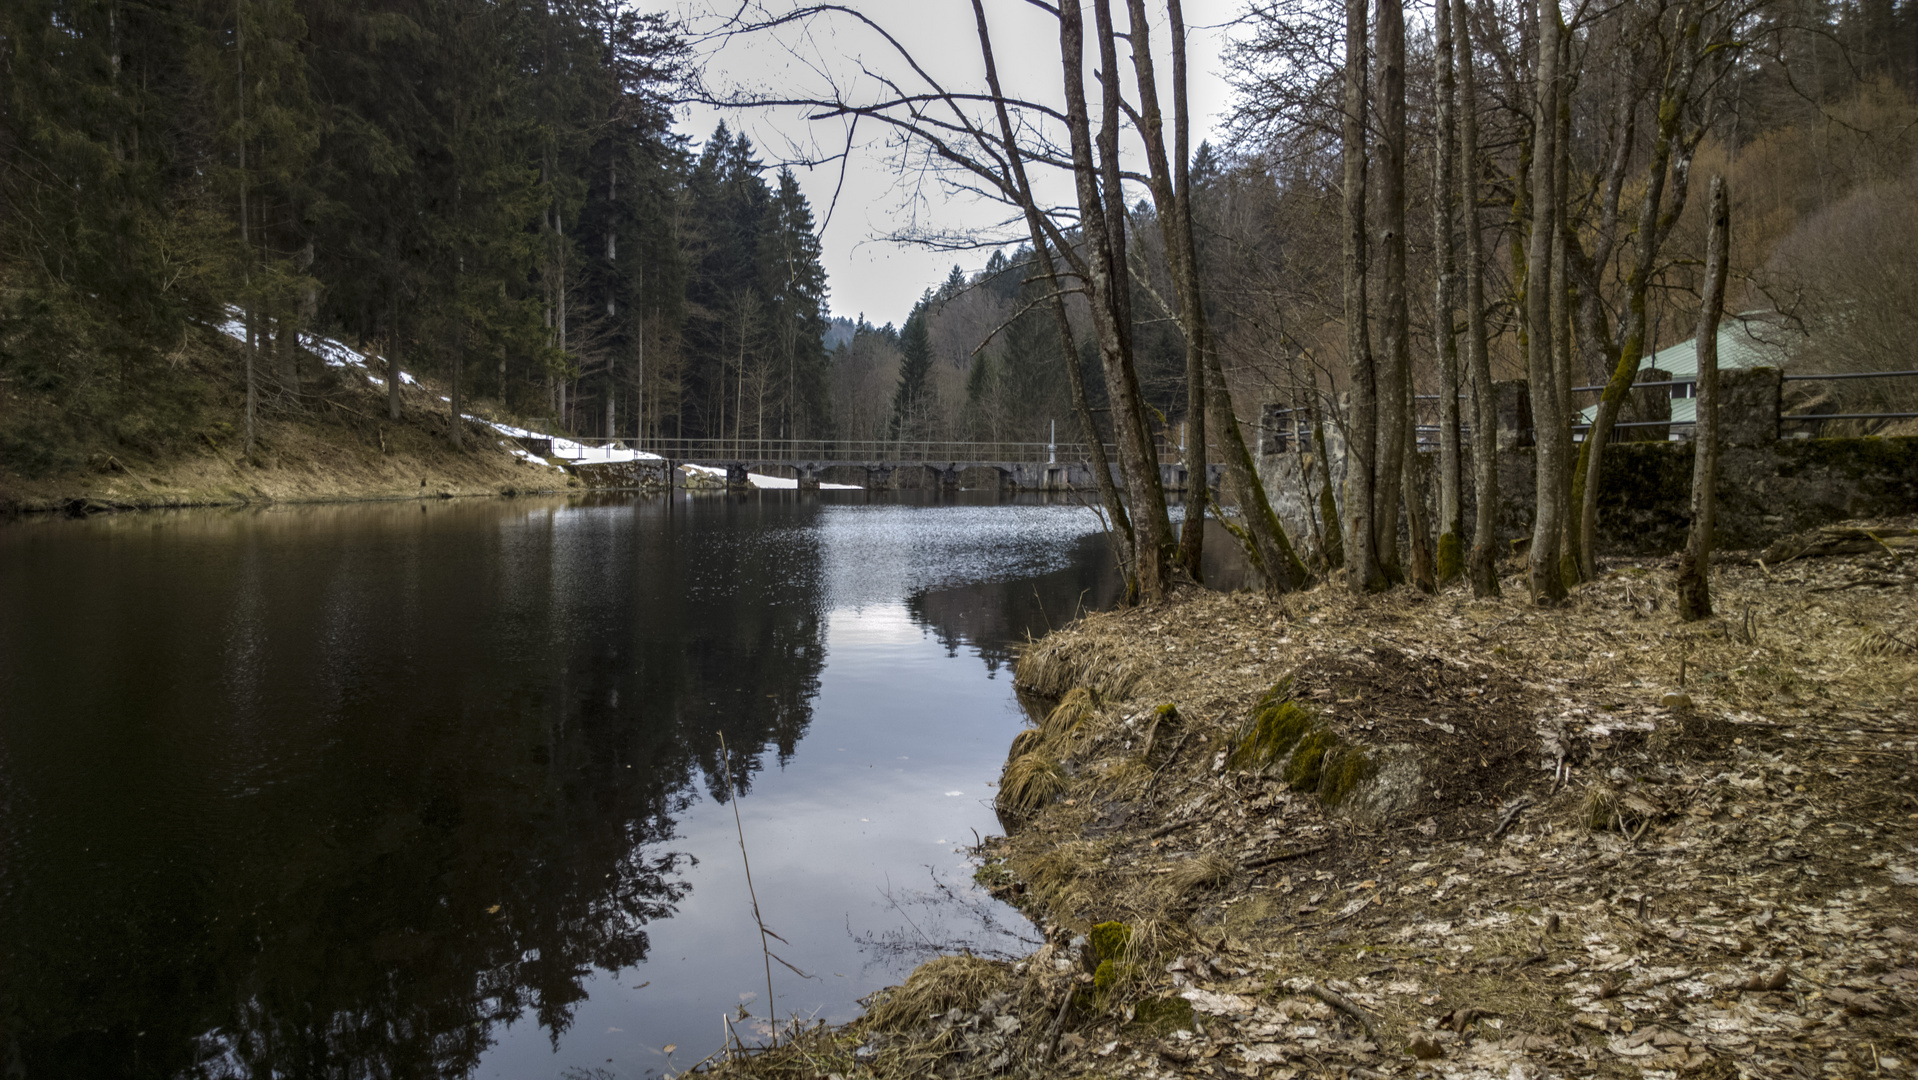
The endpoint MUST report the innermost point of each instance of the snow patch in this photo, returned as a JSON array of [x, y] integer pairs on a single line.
[[760, 480]]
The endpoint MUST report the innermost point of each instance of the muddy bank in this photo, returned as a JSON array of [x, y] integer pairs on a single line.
[[1438, 836]]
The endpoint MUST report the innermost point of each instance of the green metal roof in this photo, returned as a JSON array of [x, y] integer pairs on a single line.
[[1747, 340]]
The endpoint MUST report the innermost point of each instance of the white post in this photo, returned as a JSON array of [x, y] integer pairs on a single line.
[[1052, 447]]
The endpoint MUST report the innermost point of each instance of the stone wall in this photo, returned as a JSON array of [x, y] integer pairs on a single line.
[[1767, 487], [643, 473]]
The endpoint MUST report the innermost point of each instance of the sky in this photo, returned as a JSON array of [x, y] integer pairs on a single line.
[[869, 273]]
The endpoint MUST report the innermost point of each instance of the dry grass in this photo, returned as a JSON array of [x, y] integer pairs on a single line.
[[936, 987], [1059, 875], [1056, 664], [1030, 782], [1197, 874], [1070, 718], [1884, 641]]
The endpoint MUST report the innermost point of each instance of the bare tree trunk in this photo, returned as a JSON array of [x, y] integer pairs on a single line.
[[1451, 555], [1482, 568], [1192, 535], [1361, 552], [457, 402], [1694, 567], [1669, 154], [1424, 566], [1107, 276], [1267, 547], [1395, 373], [249, 315], [1548, 421], [1570, 565], [392, 346], [1333, 544]]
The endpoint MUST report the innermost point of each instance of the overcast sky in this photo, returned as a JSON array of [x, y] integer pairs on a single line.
[[869, 273]]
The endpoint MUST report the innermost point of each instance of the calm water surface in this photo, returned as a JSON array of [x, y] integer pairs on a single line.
[[405, 790]]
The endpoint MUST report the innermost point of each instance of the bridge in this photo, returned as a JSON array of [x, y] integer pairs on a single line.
[[889, 464]]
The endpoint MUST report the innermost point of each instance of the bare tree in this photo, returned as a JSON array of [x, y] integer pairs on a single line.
[[1451, 555], [1362, 567], [1548, 519], [1395, 367], [1695, 564], [1082, 248], [1483, 567]]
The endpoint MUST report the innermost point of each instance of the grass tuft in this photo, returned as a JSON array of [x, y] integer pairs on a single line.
[[1030, 782], [1198, 873], [936, 987], [1069, 718]]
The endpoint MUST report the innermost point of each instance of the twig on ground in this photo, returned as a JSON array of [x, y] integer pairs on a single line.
[[1059, 1021], [1509, 815], [1282, 856], [1168, 830], [1338, 1001]]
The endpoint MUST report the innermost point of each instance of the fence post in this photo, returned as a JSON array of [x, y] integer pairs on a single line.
[[1513, 404], [1748, 405]]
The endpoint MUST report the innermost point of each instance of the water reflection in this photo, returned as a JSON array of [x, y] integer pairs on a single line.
[[348, 790]]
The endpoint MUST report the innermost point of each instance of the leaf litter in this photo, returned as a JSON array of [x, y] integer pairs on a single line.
[[1494, 841]]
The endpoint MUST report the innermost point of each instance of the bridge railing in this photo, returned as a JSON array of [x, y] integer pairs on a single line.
[[852, 450]]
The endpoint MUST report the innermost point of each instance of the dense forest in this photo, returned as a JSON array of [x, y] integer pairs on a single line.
[[486, 192]]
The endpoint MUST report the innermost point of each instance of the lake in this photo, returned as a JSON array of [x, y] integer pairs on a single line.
[[413, 789]]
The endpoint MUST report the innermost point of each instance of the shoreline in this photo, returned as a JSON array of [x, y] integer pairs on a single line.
[[1419, 836]]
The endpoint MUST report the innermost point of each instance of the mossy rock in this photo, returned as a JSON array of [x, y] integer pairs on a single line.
[[1108, 974], [1275, 727], [1341, 770], [1108, 940], [1161, 1016], [1304, 771]]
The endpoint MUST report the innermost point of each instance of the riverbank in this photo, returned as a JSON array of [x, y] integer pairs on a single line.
[[1408, 835], [181, 442], [304, 460]]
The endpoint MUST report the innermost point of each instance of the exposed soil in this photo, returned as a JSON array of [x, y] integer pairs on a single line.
[[1584, 841]]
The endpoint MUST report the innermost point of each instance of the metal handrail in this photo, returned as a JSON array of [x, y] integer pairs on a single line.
[[856, 450], [1851, 416], [1849, 375], [1639, 385]]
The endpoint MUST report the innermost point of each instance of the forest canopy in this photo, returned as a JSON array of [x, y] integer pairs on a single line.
[[489, 192]]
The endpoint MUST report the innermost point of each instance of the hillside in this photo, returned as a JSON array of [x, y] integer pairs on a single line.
[[177, 439]]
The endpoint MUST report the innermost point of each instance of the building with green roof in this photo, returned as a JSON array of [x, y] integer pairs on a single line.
[[1747, 340]]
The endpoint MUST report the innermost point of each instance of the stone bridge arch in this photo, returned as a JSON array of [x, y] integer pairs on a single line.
[[984, 476]]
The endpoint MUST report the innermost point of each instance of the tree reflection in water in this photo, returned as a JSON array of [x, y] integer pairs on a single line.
[[333, 792]]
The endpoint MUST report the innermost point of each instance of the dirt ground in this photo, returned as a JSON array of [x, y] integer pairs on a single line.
[[1446, 837]]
